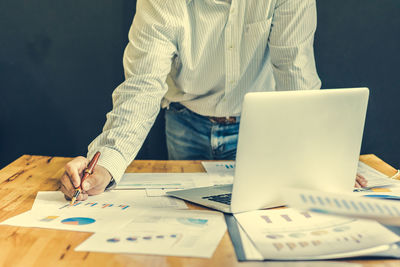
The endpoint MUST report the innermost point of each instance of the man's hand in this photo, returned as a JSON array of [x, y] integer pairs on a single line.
[[360, 181], [93, 185]]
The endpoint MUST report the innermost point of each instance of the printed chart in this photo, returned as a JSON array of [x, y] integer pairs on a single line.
[[173, 220], [78, 221], [292, 234], [147, 238], [384, 211], [163, 232], [106, 212], [95, 205], [156, 243], [118, 201], [72, 220], [192, 221], [222, 167]]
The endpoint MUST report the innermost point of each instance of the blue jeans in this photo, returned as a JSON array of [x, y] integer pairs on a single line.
[[191, 136]]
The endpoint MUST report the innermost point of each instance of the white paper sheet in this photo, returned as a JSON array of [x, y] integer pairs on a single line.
[[310, 264], [220, 167], [73, 220], [249, 249], [105, 212], [164, 232], [383, 211], [170, 180], [121, 201], [374, 177], [291, 234]]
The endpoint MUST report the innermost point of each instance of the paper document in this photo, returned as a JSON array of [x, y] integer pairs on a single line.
[[310, 264], [104, 212], [289, 234], [383, 211], [115, 200], [188, 233], [170, 180], [374, 177], [220, 167], [250, 250], [82, 221]]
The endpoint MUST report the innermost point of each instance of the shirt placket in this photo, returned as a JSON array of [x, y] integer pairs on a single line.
[[231, 56]]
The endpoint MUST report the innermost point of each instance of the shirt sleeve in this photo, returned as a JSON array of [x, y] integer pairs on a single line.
[[291, 45], [136, 102]]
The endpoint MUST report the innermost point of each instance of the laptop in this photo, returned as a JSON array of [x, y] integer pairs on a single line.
[[307, 139]]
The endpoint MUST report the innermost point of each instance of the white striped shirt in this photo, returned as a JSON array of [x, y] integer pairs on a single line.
[[205, 54]]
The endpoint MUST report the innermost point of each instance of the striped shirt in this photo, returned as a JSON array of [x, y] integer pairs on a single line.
[[205, 54]]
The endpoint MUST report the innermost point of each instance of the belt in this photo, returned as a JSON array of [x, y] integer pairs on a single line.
[[219, 120], [223, 120]]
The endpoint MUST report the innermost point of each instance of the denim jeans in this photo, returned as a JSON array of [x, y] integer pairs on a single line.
[[191, 136]]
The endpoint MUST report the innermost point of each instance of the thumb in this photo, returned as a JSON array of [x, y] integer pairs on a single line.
[[90, 182]]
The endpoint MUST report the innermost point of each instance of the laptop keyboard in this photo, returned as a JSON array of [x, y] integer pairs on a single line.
[[222, 198]]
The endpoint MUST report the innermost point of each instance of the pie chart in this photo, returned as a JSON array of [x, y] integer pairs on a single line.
[[78, 221]]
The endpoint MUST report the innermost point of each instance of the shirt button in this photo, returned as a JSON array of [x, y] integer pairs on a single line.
[[232, 10]]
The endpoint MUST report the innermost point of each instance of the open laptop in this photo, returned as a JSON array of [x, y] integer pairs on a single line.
[[307, 139]]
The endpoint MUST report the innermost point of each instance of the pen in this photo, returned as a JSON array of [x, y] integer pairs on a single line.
[[86, 172]]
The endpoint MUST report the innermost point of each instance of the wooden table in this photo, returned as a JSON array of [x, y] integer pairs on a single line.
[[23, 178]]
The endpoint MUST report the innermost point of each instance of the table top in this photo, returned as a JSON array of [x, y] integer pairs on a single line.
[[19, 246]]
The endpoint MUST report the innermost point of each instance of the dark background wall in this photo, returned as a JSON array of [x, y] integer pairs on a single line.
[[61, 60]]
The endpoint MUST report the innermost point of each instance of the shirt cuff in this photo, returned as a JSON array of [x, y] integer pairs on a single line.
[[112, 160]]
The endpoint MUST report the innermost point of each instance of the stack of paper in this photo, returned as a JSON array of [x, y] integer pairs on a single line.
[[289, 234], [163, 182], [295, 234], [129, 222], [376, 178]]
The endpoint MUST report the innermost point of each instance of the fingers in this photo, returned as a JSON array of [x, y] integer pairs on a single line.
[[71, 178], [97, 182], [92, 185], [83, 196], [66, 186], [74, 170], [360, 181], [69, 190]]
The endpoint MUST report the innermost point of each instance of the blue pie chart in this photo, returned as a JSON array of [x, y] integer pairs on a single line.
[[78, 221]]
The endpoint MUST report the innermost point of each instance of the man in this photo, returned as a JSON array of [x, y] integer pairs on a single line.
[[198, 58]]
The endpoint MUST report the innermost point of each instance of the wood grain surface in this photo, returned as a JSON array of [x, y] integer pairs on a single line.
[[19, 246]]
